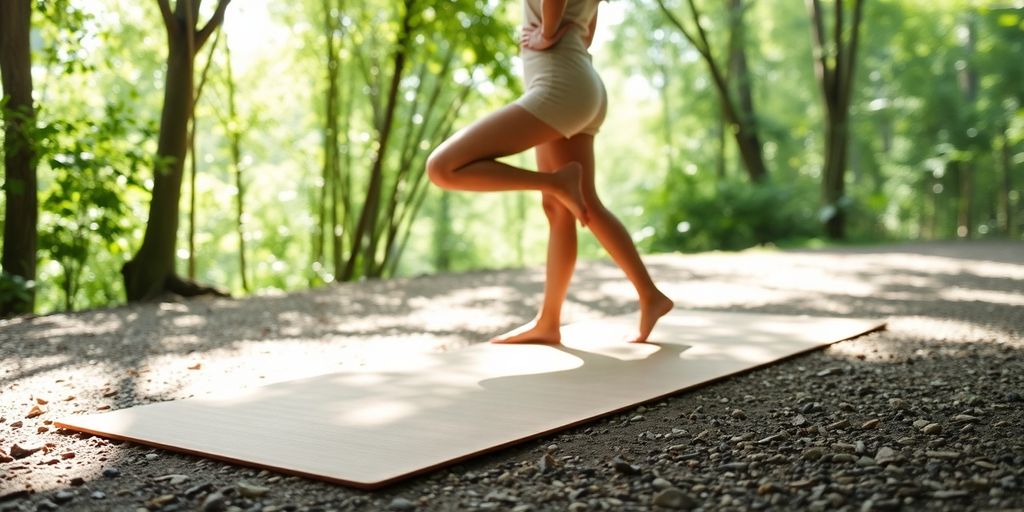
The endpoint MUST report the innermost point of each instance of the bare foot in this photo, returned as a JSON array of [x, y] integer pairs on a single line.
[[531, 333], [650, 311], [570, 193]]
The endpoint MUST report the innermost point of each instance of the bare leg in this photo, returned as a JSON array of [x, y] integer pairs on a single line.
[[560, 264], [616, 240], [466, 161]]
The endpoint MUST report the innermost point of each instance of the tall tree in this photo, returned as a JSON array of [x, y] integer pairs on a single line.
[[21, 206], [737, 102], [151, 271], [835, 60]]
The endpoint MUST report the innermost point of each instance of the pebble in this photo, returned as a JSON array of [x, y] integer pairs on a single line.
[[173, 479], [401, 505], [552, 447], [935, 454], [897, 403], [638, 417], [251, 491], [942, 495], [46, 505], [661, 484], [624, 467], [161, 501], [674, 498], [63, 496], [546, 464], [932, 428], [20, 452], [111, 472], [98, 495], [885, 455], [919, 424], [872, 423], [813, 453], [799, 421], [151, 456], [214, 502]]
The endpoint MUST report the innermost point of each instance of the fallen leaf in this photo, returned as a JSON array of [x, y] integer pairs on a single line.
[[196, 366]]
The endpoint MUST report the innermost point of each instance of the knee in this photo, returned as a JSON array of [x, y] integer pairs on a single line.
[[439, 170], [555, 210]]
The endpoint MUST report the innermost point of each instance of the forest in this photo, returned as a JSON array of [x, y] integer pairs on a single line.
[[261, 146]]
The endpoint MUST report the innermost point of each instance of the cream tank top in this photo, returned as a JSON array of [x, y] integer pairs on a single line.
[[577, 12]]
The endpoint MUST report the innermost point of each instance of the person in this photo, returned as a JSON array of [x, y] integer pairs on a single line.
[[558, 115]]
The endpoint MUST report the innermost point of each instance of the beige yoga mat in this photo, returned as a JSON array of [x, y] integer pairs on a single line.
[[387, 421]]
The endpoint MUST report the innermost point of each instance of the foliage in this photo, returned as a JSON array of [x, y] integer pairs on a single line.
[[85, 214]]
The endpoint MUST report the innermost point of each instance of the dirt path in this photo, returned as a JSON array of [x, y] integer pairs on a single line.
[[925, 415]]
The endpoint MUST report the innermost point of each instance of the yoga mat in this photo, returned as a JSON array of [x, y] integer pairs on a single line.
[[414, 413]]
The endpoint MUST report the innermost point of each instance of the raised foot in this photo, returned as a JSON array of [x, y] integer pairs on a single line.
[[570, 191], [531, 333], [651, 311]]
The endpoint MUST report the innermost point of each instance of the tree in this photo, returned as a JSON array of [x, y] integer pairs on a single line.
[[737, 102], [20, 182], [835, 60], [151, 271]]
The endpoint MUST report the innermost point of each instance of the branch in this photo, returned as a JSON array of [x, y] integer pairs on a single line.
[[818, 34], [211, 25], [165, 11], [851, 58], [838, 48], [675, 21]]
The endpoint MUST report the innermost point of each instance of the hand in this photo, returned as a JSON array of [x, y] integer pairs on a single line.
[[532, 37]]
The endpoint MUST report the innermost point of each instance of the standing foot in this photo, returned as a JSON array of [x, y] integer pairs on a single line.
[[531, 333], [570, 191], [650, 311]]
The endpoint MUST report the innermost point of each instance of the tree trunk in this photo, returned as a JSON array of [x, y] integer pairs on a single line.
[[151, 271], [835, 77], [21, 208], [1005, 204], [235, 140], [371, 206]]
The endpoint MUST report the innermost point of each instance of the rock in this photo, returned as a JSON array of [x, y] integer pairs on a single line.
[[172, 479], [20, 452], [802, 484], [161, 501], [1014, 396], [945, 455], [813, 453], [799, 421], [897, 403], [111, 472], [886, 455], [738, 414], [196, 490], [638, 417], [932, 428], [919, 424], [674, 498], [866, 461], [546, 464], [624, 467], [35, 411], [944, 495], [151, 456], [401, 505], [661, 484], [552, 447], [98, 495], [843, 423], [46, 505], [63, 496], [965, 418], [251, 491], [735, 466], [214, 502], [872, 423]]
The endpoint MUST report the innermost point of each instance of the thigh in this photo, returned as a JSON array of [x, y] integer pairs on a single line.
[[507, 131]]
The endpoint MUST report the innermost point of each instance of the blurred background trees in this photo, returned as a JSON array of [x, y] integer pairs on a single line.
[[732, 124]]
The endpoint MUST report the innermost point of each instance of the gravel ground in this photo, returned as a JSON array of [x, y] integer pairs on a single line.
[[925, 415]]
